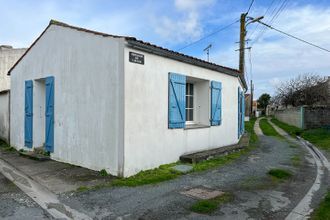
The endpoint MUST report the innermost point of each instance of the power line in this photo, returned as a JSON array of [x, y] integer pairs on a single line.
[[297, 38], [209, 35], [250, 7], [274, 15], [265, 14]]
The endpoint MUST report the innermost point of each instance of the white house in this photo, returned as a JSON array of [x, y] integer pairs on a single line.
[[120, 104]]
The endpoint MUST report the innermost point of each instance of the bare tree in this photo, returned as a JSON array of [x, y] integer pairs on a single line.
[[305, 89]]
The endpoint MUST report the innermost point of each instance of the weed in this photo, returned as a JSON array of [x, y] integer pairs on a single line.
[[279, 174], [103, 172], [210, 205]]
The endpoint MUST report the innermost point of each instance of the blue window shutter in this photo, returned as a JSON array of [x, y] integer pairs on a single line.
[[28, 119], [216, 100], [176, 100], [49, 143], [238, 112]]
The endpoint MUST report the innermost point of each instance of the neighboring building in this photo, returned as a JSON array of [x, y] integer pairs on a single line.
[[120, 104], [8, 57], [247, 107]]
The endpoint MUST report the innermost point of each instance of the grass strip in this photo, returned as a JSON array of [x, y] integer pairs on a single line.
[[290, 129], [267, 129]]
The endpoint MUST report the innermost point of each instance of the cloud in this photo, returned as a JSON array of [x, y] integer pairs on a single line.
[[192, 4], [185, 27]]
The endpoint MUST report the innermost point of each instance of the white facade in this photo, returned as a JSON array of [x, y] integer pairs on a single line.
[[111, 113], [148, 140]]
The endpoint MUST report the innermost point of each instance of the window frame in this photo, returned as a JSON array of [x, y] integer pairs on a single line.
[[190, 85]]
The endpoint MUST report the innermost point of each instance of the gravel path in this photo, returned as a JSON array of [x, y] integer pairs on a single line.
[[14, 204], [256, 195]]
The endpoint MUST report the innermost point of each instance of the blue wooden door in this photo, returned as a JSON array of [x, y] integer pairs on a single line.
[[28, 119], [49, 143]]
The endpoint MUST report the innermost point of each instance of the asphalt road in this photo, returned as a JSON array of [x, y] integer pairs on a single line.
[[14, 204]]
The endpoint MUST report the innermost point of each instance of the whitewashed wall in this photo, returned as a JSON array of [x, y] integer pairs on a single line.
[[88, 71], [8, 57], [148, 141], [4, 116]]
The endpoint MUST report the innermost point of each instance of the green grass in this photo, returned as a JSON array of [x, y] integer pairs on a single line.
[[210, 205], [296, 161], [279, 174], [160, 174], [323, 211], [292, 130], [166, 172], [267, 129], [320, 137], [82, 188], [6, 147], [249, 127]]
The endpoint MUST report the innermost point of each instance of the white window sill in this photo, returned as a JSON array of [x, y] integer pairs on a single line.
[[195, 126]]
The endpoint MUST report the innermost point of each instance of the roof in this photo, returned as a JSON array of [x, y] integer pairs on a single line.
[[148, 47]]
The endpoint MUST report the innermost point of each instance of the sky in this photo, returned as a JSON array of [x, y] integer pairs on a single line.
[[177, 24]]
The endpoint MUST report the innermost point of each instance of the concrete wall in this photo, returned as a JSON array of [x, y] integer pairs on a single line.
[[4, 115], [291, 116], [8, 57], [148, 141], [315, 117], [88, 112], [305, 117]]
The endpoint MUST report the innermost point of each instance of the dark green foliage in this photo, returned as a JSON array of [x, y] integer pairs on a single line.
[[279, 174]]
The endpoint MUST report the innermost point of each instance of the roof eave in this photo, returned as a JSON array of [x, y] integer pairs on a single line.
[[180, 57]]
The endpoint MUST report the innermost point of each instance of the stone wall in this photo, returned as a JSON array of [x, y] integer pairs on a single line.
[[315, 117]]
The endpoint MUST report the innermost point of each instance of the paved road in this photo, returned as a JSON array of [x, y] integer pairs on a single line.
[[14, 204], [256, 196]]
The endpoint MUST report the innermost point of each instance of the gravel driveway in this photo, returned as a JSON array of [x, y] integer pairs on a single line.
[[256, 195]]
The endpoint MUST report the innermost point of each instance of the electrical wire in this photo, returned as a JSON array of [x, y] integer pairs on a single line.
[[265, 15], [209, 35], [275, 15], [297, 38], [249, 7]]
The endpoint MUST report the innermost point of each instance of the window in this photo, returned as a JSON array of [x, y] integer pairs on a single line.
[[189, 102]]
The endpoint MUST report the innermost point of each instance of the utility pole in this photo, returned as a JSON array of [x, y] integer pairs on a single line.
[[242, 44], [251, 101]]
